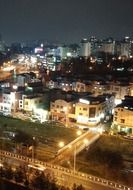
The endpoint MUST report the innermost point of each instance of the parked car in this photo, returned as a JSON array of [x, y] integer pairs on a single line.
[[86, 129], [128, 137], [6, 113], [122, 133], [34, 119]]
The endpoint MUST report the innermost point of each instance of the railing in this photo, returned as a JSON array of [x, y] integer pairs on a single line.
[[66, 171], [93, 139]]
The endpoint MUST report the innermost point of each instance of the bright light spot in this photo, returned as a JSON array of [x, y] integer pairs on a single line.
[[84, 101], [12, 96], [102, 115], [79, 132], [118, 101], [42, 45], [8, 68], [37, 167], [15, 87], [86, 141], [65, 109], [82, 119], [61, 144], [69, 54]]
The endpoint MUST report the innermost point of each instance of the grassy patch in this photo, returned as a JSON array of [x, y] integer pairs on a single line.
[[111, 144], [48, 135], [114, 143], [51, 130]]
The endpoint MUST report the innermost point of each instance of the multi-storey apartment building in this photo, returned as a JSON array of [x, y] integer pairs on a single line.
[[120, 91], [60, 109], [92, 110], [85, 110], [123, 115]]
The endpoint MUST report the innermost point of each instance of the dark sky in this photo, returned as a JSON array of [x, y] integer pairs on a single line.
[[65, 20]]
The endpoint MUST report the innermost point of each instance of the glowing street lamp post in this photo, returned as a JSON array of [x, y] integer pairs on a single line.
[[33, 149], [61, 144], [75, 152]]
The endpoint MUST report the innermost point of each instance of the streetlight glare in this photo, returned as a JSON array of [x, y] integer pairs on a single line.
[[61, 144], [86, 141], [79, 132]]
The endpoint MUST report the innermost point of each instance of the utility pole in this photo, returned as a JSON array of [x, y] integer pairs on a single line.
[[75, 158], [33, 149]]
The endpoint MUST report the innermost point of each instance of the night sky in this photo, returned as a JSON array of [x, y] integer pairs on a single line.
[[65, 20]]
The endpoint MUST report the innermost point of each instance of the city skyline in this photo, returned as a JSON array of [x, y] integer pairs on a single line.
[[64, 21]]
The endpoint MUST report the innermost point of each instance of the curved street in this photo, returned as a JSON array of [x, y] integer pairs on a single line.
[[66, 176]]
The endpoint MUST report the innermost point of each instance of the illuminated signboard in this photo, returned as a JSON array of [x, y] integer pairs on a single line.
[[84, 101]]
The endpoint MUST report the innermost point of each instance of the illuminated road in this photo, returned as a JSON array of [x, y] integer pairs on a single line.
[[66, 176], [76, 146]]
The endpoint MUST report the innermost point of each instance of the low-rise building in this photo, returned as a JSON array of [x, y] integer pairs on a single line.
[[31, 102], [123, 115], [10, 99], [92, 110], [120, 90], [61, 108], [99, 88], [23, 79], [83, 109], [79, 87]]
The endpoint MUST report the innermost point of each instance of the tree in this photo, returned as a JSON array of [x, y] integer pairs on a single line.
[[112, 159], [23, 141], [77, 187], [8, 173], [40, 182], [80, 187], [22, 137], [20, 174]]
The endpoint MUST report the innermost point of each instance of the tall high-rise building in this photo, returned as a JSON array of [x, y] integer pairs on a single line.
[[108, 46], [85, 48], [2, 44], [123, 49]]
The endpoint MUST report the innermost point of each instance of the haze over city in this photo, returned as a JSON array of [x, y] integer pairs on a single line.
[[64, 20], [66, 95]]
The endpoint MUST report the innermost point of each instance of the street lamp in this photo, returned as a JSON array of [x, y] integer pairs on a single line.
[[79, 132], [33, 150], [61, 144], [74, 164], [85, 142], [65, 109], [75, 151]]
